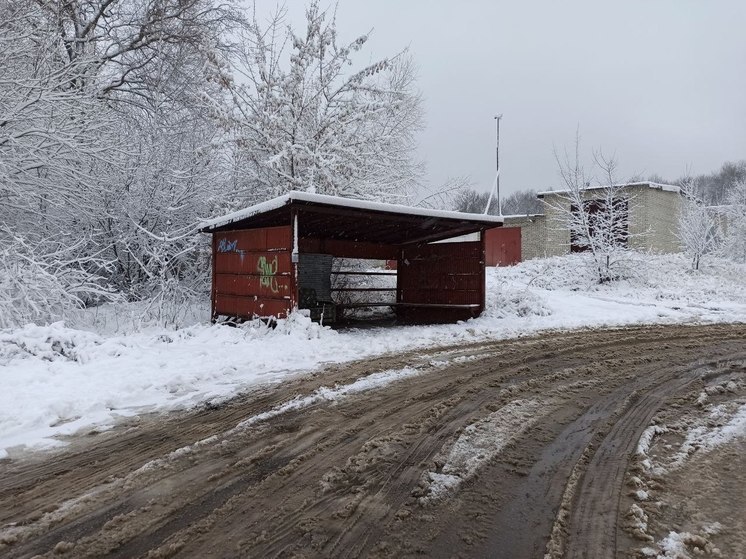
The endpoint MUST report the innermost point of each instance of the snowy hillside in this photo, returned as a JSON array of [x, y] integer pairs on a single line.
[[58, 379]]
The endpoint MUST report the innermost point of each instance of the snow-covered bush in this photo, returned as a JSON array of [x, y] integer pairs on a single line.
[[598, 218], [47, 343], [697, 227], [734, 243], [506, 302], [42, 281]]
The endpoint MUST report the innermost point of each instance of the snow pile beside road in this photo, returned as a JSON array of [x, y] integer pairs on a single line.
[[505, 301], [57, 380], [48, 343], [677, 545]]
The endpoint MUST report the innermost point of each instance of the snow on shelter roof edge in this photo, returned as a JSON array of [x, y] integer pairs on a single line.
[[294, 195]]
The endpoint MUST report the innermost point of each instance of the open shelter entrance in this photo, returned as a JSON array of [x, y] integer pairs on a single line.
[[278, 256]]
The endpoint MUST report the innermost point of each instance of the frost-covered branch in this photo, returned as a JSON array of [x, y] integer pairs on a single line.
[[304, 120], [597, 218], [697, 227]]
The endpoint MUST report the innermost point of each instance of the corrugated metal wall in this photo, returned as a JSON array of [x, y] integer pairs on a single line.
[[448, 274], [252, 273], [503, 246]]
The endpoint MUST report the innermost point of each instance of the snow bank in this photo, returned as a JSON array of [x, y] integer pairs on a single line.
[[57, 379]]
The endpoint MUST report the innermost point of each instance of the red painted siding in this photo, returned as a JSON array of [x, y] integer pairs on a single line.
[[447, 274], [503, 246], [252, 273]]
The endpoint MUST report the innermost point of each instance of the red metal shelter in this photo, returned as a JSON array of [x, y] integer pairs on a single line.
[[276, 256]]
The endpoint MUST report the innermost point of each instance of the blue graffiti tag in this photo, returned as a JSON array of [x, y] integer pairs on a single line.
[[228, 246]]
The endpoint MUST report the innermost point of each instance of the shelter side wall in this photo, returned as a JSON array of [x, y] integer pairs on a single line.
[[253, 272], [431, 278]]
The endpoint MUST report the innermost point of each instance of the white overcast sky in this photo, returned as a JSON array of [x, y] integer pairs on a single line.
[[660, 83]]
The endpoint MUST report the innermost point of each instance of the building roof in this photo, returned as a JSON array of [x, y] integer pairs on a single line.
[[356, 220], [648, 184], [522, 216]]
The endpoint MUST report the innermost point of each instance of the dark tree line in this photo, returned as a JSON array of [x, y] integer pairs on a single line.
[[713, 188], [518, 203]]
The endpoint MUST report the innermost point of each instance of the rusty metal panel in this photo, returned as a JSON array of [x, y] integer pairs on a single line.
[[503, 246], [252, 272], [254, 240], [261, 263], [243, 284], [250, 306], [441, 274], [279, 238]]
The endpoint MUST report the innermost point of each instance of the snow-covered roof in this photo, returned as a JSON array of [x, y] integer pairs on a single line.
[[296, 196], [654, 185], [521, 216]]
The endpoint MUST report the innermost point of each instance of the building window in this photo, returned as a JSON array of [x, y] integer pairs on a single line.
[[607, 226]]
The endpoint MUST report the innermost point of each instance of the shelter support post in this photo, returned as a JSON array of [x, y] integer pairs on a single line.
[[294, 260]]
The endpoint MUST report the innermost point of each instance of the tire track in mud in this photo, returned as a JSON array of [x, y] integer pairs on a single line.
[[593, 521], [589, 511], [344, 478]]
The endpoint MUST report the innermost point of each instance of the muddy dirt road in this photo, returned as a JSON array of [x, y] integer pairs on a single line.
[[503, 449]]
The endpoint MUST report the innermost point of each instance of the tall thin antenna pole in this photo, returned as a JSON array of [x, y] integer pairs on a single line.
[[497, 162], [496, 185]]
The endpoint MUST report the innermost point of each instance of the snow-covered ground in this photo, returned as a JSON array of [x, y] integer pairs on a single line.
[[58, 379]]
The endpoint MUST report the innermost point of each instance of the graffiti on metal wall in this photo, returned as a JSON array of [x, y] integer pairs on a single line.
[[268, 272], [224, 245]]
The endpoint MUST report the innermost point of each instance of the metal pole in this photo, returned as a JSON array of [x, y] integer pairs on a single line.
[[497, 161], [496, 186]]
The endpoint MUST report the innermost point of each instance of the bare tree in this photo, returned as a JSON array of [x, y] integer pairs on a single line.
[[734, 242], [697, 227], [448, 196], [597, 218], [471, 201], [522, 202]]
